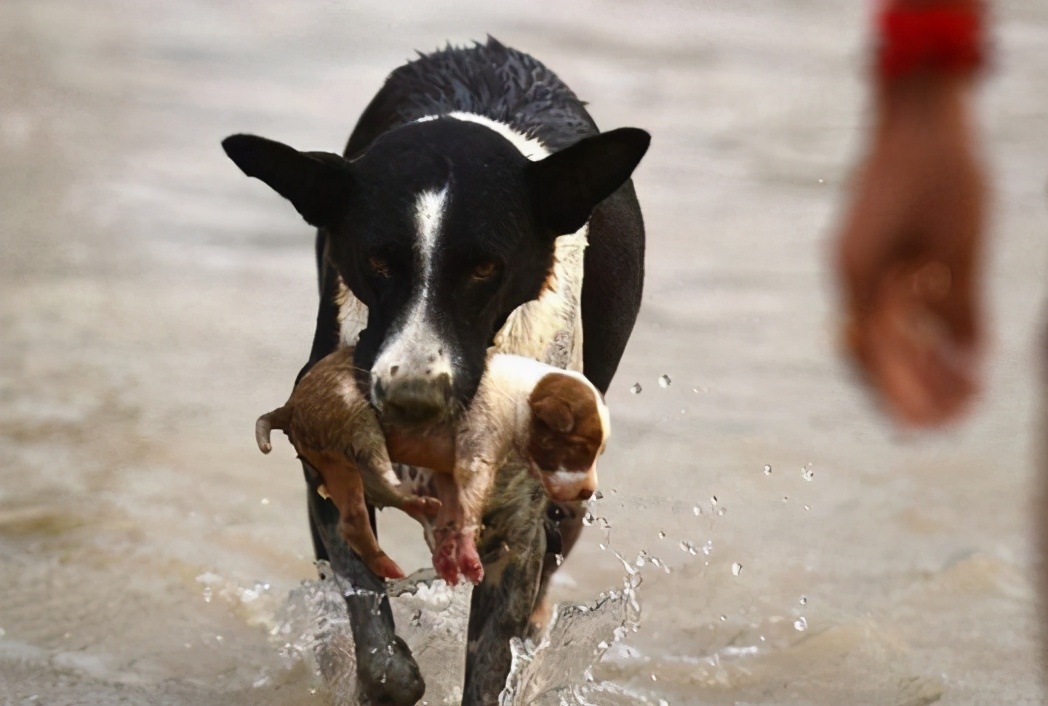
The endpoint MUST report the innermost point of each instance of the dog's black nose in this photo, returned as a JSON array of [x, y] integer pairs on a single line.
[[415, 400]]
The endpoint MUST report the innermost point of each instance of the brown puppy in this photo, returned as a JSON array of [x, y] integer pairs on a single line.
[[554, 419], [333, 429]]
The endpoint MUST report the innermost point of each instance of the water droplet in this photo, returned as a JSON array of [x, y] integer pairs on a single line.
[[800, 624], [588, 519], [785, 498], [767, 470], [636, 388], [736, 568], [265, 501], [722, 511], [654, 678], [804, 600], [713, 500], [559, 559], [724, 618], [807, 507], [707, 548], [662, 535], [807, 473], [598, 495], [696, 510], [664, 381], [602, 546], [218, 638], [686, 546]]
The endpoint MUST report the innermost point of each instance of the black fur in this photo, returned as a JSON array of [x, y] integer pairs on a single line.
[[503, 209]]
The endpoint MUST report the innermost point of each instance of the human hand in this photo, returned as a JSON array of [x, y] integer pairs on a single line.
[[909, 253]]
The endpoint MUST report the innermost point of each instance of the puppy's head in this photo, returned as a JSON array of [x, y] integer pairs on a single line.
[[442, 227], [569, 428]]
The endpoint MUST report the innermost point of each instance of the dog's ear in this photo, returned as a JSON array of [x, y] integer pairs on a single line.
[[554, 412], [316, 183], [571, 182]]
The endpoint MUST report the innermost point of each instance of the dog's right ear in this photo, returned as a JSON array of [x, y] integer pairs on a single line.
[[318, 184]]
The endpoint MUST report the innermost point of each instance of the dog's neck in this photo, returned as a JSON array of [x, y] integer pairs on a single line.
[[547, 329]]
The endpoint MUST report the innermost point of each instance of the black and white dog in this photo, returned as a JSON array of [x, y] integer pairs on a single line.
[[476, 206]]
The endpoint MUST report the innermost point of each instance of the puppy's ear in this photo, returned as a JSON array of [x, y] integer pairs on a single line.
[[570, 183], [555, 413], [316, 183]]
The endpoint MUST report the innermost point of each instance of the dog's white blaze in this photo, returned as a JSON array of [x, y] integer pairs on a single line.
[[416, 346], [429, 213]]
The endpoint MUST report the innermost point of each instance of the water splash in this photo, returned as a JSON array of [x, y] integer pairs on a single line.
[[313, 628]]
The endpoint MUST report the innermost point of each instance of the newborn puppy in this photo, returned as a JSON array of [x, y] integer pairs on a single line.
[[333, 428], [553, 419]]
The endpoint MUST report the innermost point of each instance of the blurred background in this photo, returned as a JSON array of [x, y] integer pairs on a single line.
[[153, 302]]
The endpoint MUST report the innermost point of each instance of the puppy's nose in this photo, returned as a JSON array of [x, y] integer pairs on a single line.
[[413, 399]]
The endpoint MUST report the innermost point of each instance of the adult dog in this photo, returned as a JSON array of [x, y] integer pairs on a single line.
[[475, 206]]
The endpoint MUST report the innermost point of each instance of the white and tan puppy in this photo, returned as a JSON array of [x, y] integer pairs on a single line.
[[555, 420]]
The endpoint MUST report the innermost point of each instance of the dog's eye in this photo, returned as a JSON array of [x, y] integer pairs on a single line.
[[379, 267], [485, 271]]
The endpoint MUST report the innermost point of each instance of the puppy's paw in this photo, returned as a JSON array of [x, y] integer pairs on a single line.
[[382, 565], [420, 506], [456, 556]]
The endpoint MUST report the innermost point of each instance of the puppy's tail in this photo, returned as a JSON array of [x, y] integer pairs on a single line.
[[279, 418]]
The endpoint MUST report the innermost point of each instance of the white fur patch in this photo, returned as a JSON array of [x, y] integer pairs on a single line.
[[415, 348]]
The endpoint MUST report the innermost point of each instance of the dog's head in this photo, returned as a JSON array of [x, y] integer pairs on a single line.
[[442, 228], [569, 429]]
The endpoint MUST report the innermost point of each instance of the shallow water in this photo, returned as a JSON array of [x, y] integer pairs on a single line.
[[153, 302]]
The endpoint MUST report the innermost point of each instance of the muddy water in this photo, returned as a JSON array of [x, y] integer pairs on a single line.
[[153, 302]]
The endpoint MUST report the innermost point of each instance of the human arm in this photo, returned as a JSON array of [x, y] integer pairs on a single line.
[[909, 252]]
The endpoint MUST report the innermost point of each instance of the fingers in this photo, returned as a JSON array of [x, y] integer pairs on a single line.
[[919, 371]]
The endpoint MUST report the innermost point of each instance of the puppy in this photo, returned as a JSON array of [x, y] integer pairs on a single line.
[[334, 430], [554, 419]]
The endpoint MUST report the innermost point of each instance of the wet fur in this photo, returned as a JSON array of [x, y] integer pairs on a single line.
[[522, 531]]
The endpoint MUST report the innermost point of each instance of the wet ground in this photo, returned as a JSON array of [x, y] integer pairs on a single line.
[[153, 302]]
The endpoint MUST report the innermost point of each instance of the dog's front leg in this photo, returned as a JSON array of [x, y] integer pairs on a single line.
[[388, 674], [512, 548]]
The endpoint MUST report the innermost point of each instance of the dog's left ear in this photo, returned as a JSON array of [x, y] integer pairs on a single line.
[[555, 413], [318, 184], [570, 183]]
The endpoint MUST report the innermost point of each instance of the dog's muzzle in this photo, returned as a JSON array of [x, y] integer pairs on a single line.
[[412, 399]]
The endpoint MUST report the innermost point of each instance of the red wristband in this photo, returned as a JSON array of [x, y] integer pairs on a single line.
[[940, 39]]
